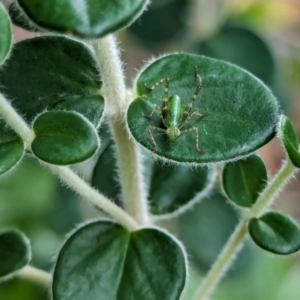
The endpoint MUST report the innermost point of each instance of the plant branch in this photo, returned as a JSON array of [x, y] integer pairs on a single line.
[[128, 156], [235, 242], [16, 122], [65, 173], [86, 191], [35, 275]]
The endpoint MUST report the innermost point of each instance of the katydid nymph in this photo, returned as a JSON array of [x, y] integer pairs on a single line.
[[172, 113]]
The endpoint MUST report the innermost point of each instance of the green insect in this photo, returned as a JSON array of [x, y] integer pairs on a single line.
[[172, 114]]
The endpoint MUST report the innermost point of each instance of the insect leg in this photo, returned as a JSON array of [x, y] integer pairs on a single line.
[[197, 137], [166, 80], [197, 91], [195, 113], [155, 108], [151, 135]]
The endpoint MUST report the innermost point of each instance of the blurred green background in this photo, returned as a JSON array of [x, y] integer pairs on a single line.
[[261, 36]]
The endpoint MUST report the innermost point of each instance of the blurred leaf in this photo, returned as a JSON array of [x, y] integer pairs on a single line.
[[289, 138], [11, 148], [122, 261], [276, 233], [243, 47], [53, 73], [64, 138], [170, 13], [244, 180], [5, 34], [19, 289], [26, 193], [14, 251], [205, 230], [85, 18], [242, 112], [20, 19], [175, 188]]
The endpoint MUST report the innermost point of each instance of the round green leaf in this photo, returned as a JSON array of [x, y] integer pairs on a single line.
[[242, 112], [84, 18], [11, 148], [20, 19], [174, 189], [275, 232], [290, 140], [5, 34], [112, 263], [64, 138], [54, 73], [243, 47], [14, 251], [244, 180]]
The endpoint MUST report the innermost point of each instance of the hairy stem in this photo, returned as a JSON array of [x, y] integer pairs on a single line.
[[35, 275], [15, 121], [86, 191], [128, 157], [235, 242], [66, 174]]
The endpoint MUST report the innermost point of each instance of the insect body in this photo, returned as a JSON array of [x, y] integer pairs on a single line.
[[173, 115]]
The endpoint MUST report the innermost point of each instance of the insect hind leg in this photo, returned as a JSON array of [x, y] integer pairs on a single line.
[[197, 91], [166, 80]]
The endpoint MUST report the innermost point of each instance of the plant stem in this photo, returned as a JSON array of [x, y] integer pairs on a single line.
[[15, 121], [235, 242], [128, 156], [65, 173], [86, 191], [36, 275]]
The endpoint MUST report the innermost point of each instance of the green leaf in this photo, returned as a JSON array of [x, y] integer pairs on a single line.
[[176, 188], [243, 47], [289, 137], [242, 112], [53, 73], [11, 148], [14, 251], [244, 180], [112, 263], [5, 34], [20, 19], [275, 232], [64, 138], [85, 18]]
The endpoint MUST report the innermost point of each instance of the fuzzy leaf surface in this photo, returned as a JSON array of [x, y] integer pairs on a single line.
[[276, 233], [290, 140], [242, 112], [84, 18], [5, 34], [53, 73], [244, 180], [11, 148], [64, 138], [102, 260], [14, 251]]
